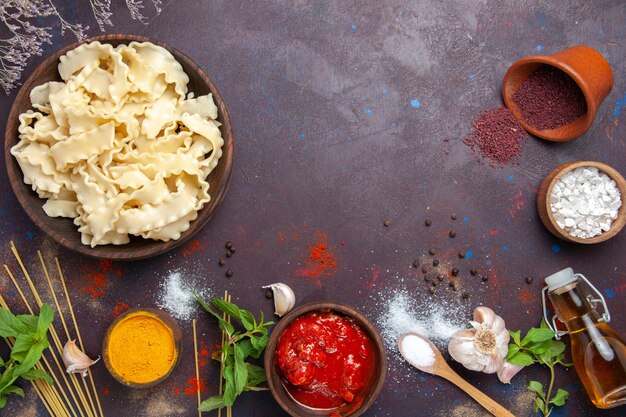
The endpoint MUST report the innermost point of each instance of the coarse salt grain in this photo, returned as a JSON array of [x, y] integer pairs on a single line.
[[417, 351], [175, 296], [585, 202]]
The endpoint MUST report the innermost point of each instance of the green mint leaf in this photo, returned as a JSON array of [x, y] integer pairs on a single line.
[[256, 375], [13, 389], [229, 386], [560, 397], [535, 335], [538, 404], [515, 336], [247, 319], [543, 324], [29, 321], [513, 349], [521, 358], [32, 357], [224, 325], [22, 345], [46, 316], [37, 374], [226, 307], [3, 400], [8, 378], [10, 326], [212, 403], [537, 387], [540, 348], [240, 371], [247, 347]]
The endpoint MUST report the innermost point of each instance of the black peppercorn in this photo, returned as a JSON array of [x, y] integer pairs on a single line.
[[455, 272], [228, 245], [424, 269], [452, 233], [473, 271], [269, 294], [453, 216], [432, 251], [221, 262], [428, 222], [529, 280], [386, 223], [436, 262], [485, 278], [431, 290], [440, 277], [229, 273], [465, 295], [462, 254], [229, 254], [416, 263]]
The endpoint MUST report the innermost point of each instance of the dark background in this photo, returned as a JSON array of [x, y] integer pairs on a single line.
[[328, 142]]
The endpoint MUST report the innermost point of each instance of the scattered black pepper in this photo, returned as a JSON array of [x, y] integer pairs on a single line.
[[416, 263], [229, 273], [529, 280], [228, 245], [452, 233], [473, 271], [462, 254], [436, 262], [485, 278], [387, 223], [455, 272], [453, 216], [465, 295], [231, 249], [428, 222], [269, 294], [427, 277], [221, 262], [432, 251], [229, 254], [440, 277], [431, 290], [435, 282]]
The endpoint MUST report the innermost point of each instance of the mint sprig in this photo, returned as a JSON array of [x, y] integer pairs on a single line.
[[239, 375], [540, 346], [30, 334]]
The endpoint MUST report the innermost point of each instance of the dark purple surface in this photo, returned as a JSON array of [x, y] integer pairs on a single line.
[[328, 140]]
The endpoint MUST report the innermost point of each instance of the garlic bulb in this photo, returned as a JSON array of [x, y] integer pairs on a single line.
[[284, 298], [484, 347], [75, 360]]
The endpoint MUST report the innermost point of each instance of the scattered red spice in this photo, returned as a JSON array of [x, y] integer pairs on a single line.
[[191, 247], [96, 279], [321, 259], [176, 390], [120, 307], [496, 135], [105, 391], [204, 355], [194, 385], [526, 296], [373, 278]]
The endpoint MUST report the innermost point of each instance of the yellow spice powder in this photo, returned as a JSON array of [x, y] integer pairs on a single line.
[[141, 348]]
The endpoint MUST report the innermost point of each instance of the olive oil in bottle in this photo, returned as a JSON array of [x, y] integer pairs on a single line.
[[598, 352]]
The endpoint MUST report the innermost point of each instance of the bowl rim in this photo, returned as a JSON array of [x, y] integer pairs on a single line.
[[543, 201], [548, 134], [343, 309], [118, 252], [163, 317]]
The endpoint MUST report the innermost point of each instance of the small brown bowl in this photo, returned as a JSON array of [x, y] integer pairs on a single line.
[[586, 66], [62, 230], [275, 380], [545, 190], [162, 316]]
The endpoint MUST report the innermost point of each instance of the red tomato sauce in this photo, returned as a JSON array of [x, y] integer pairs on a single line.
[[326, 360]]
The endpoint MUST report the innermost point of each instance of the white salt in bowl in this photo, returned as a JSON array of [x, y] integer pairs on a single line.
[[545, 211]]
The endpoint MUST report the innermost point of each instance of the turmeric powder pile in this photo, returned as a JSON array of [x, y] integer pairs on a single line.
[[141, 348]]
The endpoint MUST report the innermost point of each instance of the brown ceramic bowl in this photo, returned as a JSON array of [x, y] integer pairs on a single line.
[[63, 230], [545, 190], [587, 68], [275, 380], [166, 319]]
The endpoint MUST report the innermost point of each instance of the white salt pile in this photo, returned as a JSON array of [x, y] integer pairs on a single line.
[[175, 296], [585, 202], [417, 351]]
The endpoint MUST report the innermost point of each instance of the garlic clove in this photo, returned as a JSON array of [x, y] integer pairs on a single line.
[[284, 298], [507, 371], [76, 362]]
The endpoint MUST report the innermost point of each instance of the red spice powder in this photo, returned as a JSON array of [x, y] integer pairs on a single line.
[[176, 390], [105, 391], [96, 279], [120, 307], [321, 259], [496, 135], [194, 385], [204, 355], [191, 247]]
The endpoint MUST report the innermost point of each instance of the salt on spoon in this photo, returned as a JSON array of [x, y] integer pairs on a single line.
[[424, 355]]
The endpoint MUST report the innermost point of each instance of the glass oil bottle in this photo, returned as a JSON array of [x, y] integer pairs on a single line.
[[598, 352]]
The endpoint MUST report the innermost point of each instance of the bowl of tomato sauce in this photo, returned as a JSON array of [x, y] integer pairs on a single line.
[[325, 359]]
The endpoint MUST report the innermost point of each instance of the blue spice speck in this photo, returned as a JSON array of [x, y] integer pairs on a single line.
[[556, 248], [368, 111], [353, 27], [415, 103], [385, 91], [538, 48]]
